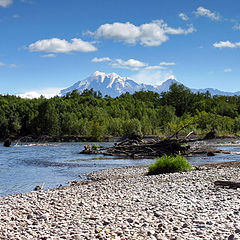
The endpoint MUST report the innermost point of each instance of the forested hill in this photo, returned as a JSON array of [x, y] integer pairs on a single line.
[[91, 115]]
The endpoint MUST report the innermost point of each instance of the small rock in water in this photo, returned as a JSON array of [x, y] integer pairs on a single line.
[[37, 188]]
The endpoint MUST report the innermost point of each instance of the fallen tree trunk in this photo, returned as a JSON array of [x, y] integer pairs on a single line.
[[228, 184]]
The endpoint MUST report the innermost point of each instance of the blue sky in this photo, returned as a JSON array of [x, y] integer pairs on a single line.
[[48, 45]]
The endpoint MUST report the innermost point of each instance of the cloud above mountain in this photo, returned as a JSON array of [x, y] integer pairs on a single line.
[[154, 67], [150, 34], [56, 45], [152, 76], [131, 64]]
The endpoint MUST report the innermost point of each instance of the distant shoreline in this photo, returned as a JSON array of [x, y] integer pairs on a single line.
[[105, 139], [69, 139]]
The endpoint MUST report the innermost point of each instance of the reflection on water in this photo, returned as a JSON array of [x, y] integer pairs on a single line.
[[27, 165]]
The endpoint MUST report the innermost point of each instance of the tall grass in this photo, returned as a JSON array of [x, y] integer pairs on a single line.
[[169, 164]]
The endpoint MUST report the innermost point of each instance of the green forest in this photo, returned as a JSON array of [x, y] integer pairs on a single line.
[[90, 114]]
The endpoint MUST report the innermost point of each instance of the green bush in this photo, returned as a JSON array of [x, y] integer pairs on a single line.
[[169, 164]]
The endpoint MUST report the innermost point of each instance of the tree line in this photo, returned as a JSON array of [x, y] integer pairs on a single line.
[[90, 114]]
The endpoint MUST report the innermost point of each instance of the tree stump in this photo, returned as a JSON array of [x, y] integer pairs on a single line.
[[7, 143]]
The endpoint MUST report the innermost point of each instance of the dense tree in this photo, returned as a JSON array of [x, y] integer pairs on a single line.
[[48, 119], [179, 97], [89, 114]]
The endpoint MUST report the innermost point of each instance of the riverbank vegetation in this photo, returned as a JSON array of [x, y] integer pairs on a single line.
[[169, 164], [91, 115]]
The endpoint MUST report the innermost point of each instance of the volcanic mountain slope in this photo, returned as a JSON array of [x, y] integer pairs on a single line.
[[114, 85]]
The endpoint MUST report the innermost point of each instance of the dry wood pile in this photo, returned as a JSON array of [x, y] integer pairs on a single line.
[[135, 147], [140, 149]]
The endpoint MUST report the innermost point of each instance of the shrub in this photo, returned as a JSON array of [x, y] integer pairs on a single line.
[[96, 147], [169, 164]]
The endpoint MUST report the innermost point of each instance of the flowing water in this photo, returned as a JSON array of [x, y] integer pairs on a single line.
[[24, 166]]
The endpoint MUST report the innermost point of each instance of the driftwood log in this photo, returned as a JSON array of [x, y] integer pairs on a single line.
[[227, 184]]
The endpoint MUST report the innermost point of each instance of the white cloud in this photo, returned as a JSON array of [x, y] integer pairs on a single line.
[[12, 65], [50, 55], [56, 45], [149, 34], [154, 67], [178, 31], [153, 77], [5, 3], [120, 31], [27, 1], [2, 64], [167, 63], [227, 70], [226, 44], [183, 16], [131, 64], [103, 59], [16, 16], [236, 26], [47, 93], [203, 12]]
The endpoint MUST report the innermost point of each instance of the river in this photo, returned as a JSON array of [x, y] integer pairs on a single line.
[[24, 166]]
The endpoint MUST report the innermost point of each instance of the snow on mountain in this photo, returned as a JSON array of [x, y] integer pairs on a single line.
[[108, 84], [114, 85]]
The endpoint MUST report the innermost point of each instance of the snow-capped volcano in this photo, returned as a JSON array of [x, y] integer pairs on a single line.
[[114, 85]]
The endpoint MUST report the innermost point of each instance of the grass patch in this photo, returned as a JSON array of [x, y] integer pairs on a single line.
[[169, 164]]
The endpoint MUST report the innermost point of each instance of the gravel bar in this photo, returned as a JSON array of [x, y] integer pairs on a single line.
[[123, 203]]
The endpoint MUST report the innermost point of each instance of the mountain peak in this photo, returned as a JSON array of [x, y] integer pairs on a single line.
[[103, 74], [114, 85]]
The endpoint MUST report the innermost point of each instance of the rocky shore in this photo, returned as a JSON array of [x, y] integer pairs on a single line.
[[125, 204]]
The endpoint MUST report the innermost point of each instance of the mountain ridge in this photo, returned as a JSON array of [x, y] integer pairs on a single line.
[[113, 85]]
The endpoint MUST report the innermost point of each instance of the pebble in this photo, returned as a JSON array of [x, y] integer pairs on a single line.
[[124, 203]]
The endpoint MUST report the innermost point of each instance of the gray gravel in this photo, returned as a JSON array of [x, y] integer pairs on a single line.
[[125, 204]]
